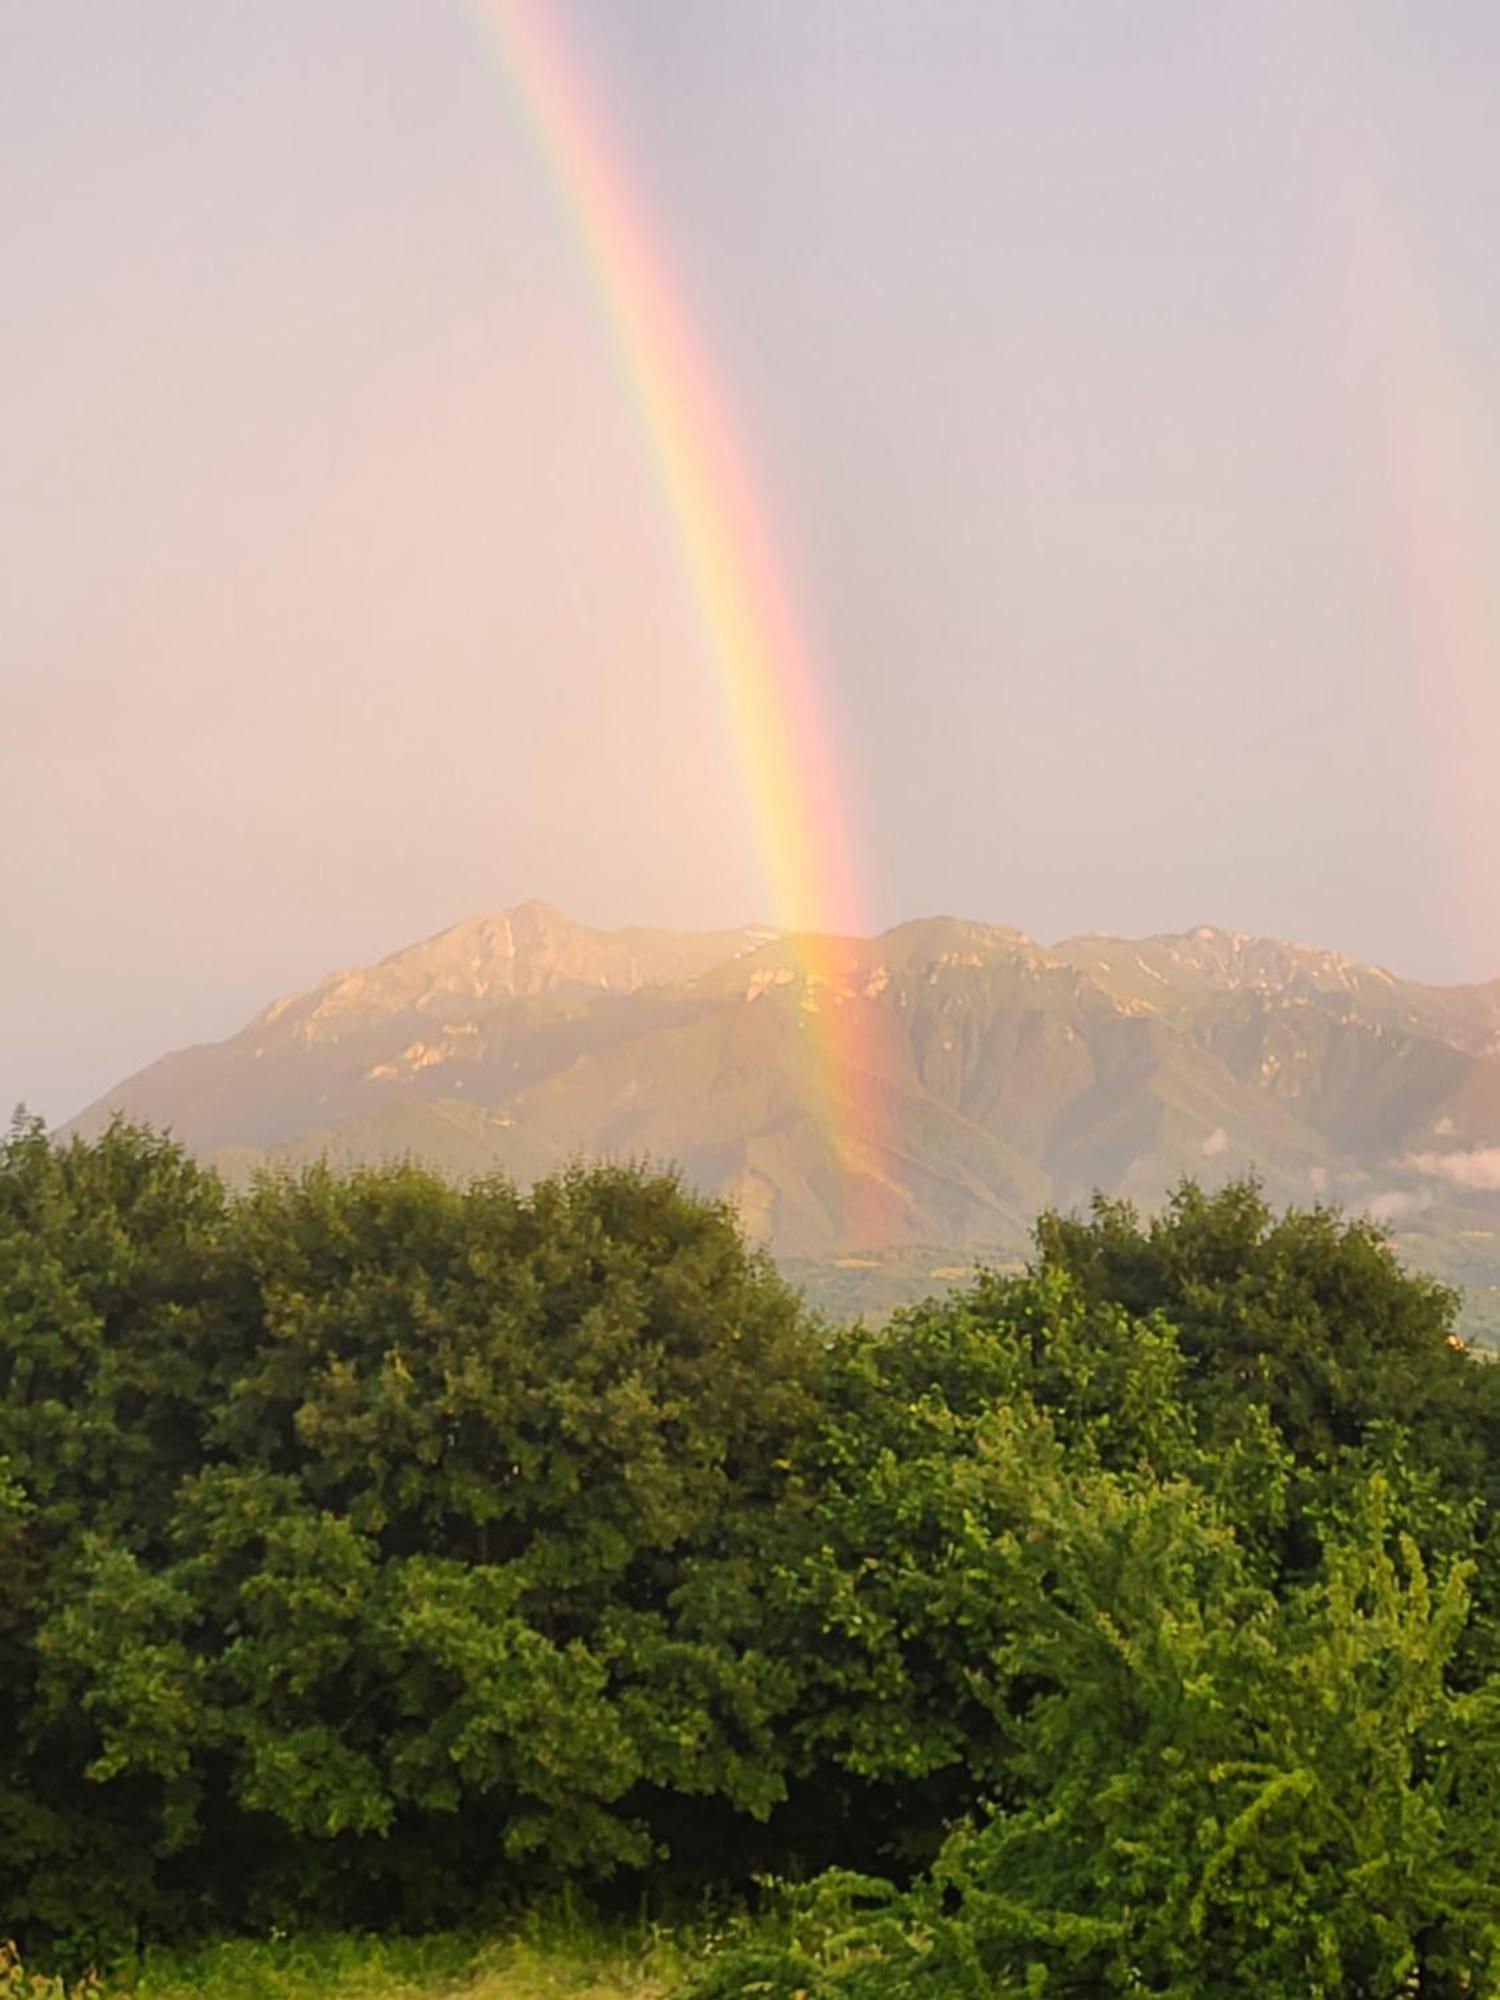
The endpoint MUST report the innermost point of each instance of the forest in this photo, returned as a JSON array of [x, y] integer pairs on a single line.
[[379, 1554]]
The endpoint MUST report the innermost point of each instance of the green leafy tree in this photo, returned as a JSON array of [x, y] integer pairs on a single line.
[[1214, 1794], [1308, 1314], [1100, 1564], [888, 1576], [411, 1628], [109, 1274], [1309, 1321]]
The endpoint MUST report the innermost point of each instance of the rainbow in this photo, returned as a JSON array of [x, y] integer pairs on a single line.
[[1410, 427], [764, 667]]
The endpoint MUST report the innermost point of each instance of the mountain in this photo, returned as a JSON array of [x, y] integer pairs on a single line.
[[995, 1075]]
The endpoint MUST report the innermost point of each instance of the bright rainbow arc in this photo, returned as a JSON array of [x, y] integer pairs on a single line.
[[764, 666]]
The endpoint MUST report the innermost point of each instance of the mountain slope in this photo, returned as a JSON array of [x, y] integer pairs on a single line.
[[1004, 1075]]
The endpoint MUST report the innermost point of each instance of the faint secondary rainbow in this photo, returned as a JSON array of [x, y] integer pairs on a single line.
[[795, 788], [1412, 428]]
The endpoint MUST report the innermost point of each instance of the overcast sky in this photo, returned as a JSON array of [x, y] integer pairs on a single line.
[[1122, 382]]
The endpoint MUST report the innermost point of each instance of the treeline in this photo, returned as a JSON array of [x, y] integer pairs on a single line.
[[380, 1552]]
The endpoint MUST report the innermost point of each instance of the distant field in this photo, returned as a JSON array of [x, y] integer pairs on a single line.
[[872, 1287]]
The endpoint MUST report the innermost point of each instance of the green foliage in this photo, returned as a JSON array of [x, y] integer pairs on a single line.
[[1306, 1323], [1307, 1315], [375, 1551], [1218, 1795], [345, 1525], [1190, 1616]]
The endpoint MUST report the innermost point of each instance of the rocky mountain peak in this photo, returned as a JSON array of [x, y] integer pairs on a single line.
[[982, 1074]]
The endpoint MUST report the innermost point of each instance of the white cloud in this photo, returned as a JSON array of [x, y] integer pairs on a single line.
[[1477, 1169], [1217, 1142], [1397, 1205]]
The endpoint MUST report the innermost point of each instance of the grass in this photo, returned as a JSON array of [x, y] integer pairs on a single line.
[[564, 1961]]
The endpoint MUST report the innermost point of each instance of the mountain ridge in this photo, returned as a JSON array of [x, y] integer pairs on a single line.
[[1002, 1075]]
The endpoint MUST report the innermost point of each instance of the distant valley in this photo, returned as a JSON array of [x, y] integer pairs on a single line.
[[1008, 1075]]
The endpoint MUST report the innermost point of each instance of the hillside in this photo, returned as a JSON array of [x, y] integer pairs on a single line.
[[1007, 1075]]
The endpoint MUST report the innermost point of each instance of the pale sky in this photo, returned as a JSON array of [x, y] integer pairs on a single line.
[[1122, 382]]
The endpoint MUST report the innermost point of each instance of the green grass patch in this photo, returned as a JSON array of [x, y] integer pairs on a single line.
[[565, 1960]]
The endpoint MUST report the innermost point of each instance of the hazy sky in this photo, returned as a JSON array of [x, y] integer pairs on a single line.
[[1122, 382]]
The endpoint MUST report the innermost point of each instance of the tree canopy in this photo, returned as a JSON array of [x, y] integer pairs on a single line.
[[377, 1550]]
